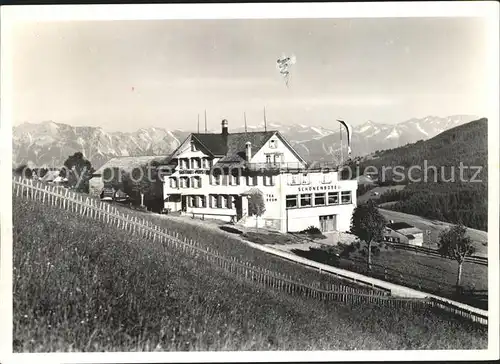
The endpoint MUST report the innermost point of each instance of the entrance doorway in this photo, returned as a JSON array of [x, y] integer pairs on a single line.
[[328, 223], [238, 206], [184, 203]]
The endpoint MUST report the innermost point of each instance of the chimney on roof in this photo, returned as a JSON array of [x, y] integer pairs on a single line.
[[248, 151], [224, 135], [224, 127]]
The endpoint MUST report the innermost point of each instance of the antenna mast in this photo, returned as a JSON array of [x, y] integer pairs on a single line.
[[205, 120], [198, 123], [245, 118]]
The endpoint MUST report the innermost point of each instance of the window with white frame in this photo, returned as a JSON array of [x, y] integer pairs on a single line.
[[305, 200], [216, 179], [345, 197], [251, 180], [234, 180], [195, 163], [294, 179], [221, 201], [305, 179], [333, 198], [212, 201], [273, 144], [193, 146], [205, 163], [184, 182], [292, 201], [196, 182], [269, 180], [319, 199], [326, 177], [184, 163], [173, 182], [218, 201], [203, 201], [268, 158]]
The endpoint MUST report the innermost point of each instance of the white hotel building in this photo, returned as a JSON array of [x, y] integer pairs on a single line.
[[211, 176]]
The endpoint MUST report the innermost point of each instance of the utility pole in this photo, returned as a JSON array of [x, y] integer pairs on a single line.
[[265, 121], [205, 120], [341, 146]]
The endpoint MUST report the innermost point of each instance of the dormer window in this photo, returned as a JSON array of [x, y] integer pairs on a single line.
[[305, 179], [326, 178], [273, 144]]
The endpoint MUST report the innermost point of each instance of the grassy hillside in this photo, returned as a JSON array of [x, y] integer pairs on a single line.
[[443, 193], [424, 272], [80, 285]]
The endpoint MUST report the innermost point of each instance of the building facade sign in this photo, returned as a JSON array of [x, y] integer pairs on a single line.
[[318, 188]]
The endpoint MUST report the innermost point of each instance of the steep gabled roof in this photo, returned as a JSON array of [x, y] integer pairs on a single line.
[[236, 145], [127, 164], [214, 143], [234, 153]]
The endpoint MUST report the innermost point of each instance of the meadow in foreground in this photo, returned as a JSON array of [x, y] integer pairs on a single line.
[[80, 285]]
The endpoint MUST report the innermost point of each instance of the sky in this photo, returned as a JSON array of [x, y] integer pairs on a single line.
[[124, 75]]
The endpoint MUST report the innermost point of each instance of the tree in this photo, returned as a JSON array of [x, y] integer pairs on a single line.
[[256, 205], [368, 224], [143, 182], [78, 171], [113, 177], [455, 244]]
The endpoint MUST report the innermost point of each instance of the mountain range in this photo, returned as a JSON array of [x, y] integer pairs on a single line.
[[49, 143], [371, 136], [445, 177]]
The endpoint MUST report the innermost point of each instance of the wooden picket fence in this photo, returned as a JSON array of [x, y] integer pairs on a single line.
[[90, 207]]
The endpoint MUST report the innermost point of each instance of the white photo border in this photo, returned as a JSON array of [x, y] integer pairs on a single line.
[[14, 14]]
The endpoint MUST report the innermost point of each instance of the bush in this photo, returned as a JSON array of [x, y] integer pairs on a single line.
[[230, 229], [311, 230]]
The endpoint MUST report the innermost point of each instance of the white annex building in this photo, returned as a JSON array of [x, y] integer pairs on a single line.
[[212, 175]]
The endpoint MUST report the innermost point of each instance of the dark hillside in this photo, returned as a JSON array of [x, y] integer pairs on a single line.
[[438, 187]]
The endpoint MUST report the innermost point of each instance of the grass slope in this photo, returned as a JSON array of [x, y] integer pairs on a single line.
[[80, 285], [428, 273]]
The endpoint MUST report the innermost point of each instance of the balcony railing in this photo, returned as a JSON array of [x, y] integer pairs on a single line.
[[293, 166]]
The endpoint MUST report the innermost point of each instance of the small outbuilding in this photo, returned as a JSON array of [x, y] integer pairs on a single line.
[[403, 233], [118, 165]]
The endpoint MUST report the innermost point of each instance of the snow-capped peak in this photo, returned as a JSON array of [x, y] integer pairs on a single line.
[[394, 134]]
